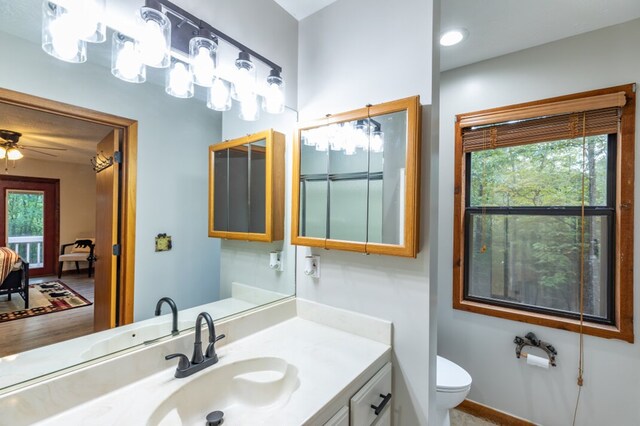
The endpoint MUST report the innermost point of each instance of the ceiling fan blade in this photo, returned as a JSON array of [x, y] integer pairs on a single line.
[[39, 152], [42, 147]]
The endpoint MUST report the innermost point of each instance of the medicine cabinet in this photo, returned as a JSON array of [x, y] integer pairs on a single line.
[[356, 180], [246, 188]]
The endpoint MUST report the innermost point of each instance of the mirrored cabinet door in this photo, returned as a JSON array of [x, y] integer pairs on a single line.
[[356, 180], [246, 188]]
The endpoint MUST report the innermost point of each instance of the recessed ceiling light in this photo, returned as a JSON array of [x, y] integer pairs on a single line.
[[452, 37]]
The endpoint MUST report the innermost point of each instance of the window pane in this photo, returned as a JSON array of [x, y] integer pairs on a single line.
[[542, 174], [25, 224], [535, 260], [313, 208], [348, 210]]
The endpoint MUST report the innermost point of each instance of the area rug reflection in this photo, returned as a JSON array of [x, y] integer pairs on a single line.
[[44, 298]]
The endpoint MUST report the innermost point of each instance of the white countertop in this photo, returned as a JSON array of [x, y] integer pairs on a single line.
[[328, 361], [49, 359]]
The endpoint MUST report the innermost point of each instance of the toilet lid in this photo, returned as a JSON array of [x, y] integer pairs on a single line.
[[450, 376]]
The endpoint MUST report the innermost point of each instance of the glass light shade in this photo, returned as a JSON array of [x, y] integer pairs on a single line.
[[14, 154], [249, 109], [361, 134], [3, 152], [58, 36], [87, 15], [126, 63], [219, 95], [377, 141], [273, 99], [202, 60], [245, 79], [154, 41], [179, 81]]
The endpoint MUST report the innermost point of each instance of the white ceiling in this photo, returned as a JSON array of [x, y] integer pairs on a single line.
[[498, 27], [52, 137], [300, 9]]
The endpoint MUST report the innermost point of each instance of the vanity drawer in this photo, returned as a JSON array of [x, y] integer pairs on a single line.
[[376, 392], [341, 418]]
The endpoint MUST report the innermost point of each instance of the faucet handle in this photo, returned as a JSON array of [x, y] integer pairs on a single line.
[[184, 360], [211, 350]]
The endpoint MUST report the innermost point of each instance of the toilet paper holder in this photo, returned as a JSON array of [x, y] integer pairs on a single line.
[[530, 339]]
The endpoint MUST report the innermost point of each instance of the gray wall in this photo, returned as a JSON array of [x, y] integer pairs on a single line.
[[352, 53], [482, 344]]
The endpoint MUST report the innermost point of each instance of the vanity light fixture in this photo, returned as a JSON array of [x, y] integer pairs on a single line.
[[273, 99], [202, 59], [58, 37], [245, 78], [126, 64], [453, 37], [154, 43], [167, 36]]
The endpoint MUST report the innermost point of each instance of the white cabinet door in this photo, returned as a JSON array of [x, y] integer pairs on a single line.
[[384, 419], [375, 393], [341, 418]]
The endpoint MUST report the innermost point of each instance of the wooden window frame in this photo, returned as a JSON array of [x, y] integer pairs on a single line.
[[624, 201]]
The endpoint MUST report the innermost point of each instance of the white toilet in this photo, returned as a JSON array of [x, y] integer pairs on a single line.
[[452, 385]]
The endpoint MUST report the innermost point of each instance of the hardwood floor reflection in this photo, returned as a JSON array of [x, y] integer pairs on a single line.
[[28, 333]]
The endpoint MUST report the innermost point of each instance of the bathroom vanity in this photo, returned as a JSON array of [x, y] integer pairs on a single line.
[[293, 362]]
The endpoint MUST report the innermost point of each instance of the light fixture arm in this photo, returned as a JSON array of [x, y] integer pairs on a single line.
[[181, 37]]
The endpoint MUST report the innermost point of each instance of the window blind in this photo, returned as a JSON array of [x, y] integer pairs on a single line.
[[542, 123]]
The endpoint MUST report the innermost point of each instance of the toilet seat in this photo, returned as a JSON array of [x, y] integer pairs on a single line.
[[450, 377]]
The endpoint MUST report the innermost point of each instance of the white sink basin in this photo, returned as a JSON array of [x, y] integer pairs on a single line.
[[132, 337], [240, 389]]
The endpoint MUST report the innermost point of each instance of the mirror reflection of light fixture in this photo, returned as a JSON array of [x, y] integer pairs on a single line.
[[249, 109], [166, 33], [347, 137], [273, 99], [14, 153], [202, 59], [154, 43], [125, 60], [3, 152], [58, 37], [179, 81], [219, 95]]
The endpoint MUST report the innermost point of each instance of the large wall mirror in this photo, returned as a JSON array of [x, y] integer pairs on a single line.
[[356, 181], [170, 178]]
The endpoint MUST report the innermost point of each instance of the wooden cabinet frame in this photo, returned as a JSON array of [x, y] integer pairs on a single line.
[[274, 187], [410, 245]]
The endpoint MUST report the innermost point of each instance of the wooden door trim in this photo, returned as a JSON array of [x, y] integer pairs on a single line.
[[56, 212], [129, 173]]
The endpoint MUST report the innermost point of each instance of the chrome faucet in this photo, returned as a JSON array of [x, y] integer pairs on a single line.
[[174, 312], [199, 360]]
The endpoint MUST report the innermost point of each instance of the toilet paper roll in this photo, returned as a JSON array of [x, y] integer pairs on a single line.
[[537, 361]]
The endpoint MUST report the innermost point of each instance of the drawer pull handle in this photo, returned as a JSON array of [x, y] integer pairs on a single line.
[[378, 409]]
